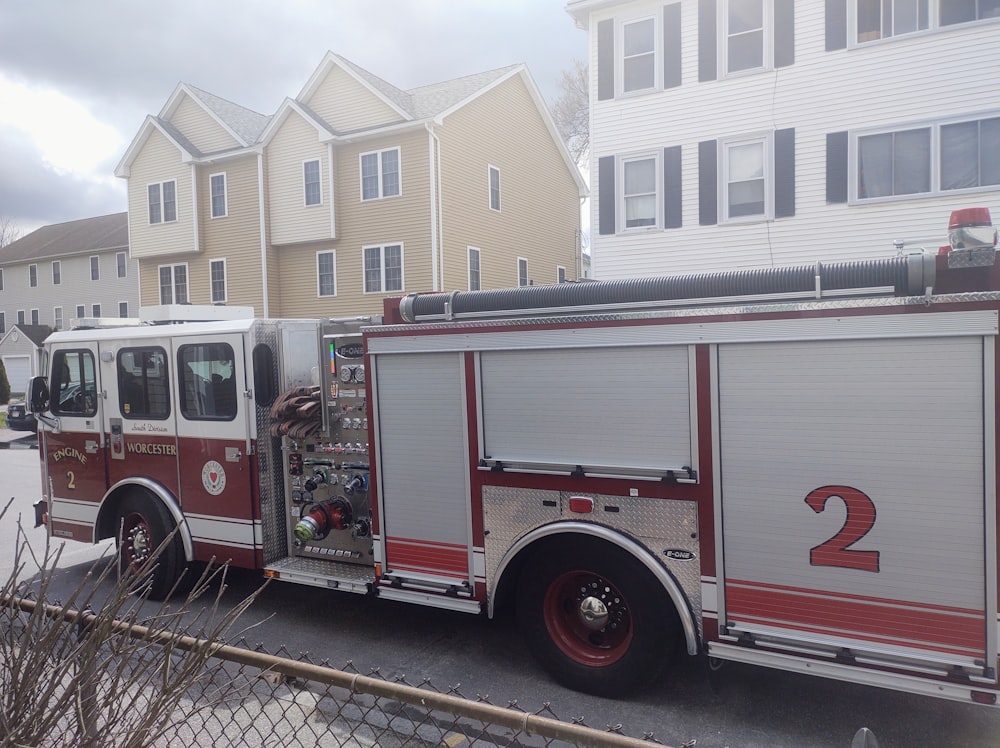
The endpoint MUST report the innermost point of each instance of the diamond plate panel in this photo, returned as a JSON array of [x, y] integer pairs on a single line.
[[657, 524], [269, 461]]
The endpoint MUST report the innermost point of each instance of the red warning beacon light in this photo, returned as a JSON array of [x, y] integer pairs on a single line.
[[970, 228]]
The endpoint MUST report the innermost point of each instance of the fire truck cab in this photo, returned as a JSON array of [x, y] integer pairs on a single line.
[[791, 467]]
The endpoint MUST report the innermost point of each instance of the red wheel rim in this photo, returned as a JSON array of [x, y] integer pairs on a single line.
[[588, 618], [136, 540]]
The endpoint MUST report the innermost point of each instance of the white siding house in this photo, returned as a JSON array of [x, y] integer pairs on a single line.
[[739, 133]]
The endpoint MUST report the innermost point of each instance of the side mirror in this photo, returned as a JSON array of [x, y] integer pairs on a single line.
[[38, 400]]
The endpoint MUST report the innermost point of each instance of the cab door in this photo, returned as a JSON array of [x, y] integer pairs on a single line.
[[75, 449], [213, 447]]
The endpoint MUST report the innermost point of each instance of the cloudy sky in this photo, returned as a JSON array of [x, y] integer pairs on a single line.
[[77, 77]]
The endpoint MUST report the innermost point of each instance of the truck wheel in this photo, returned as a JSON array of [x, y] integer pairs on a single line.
[[144, 523], [595, 618]]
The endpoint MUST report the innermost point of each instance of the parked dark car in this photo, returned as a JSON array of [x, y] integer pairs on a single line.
[[18, 417]]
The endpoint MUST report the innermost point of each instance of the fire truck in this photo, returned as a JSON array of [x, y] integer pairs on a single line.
[[794, 467]]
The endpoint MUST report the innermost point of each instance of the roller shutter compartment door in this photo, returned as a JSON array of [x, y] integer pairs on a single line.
[[853, 496]]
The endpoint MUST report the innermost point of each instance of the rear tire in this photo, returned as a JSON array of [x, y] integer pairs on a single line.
[[143, 524], [595, 617]]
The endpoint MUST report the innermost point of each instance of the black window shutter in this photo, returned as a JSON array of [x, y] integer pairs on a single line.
[[708, 189], [706, 41], [606, 196], [671, 45], [836, 25], [836, 167], [606, 60], [784, 173], [784, 33], [672, 187]]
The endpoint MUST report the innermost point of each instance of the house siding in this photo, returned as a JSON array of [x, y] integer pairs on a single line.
[[292, 221], [160, 161], [204, 133], [346, 104], [538, 218], [822, 92]]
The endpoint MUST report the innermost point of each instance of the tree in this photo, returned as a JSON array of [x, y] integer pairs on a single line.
[[8, 231], [4, 384], [571, 110]]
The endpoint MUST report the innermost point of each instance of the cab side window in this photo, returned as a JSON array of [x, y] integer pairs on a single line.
[[74, 384], [207, 381], [143, 383]]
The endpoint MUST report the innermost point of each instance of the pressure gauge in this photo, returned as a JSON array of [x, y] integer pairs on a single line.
[[345, 373], [359, 374]]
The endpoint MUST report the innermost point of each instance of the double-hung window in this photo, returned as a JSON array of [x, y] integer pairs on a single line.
[[475, 273], [95, 311], [383, 268], [311, 186], [162, 202], [56, 272], [326, 273], [380, 174], [95, 267], [745, 180], [57, 318], [522, 271], [123, 309], [173, 284], [217, 184], [494, 188], [638, 61], [744, 30], [34, 316], [217, 281], [121, 264], [32, 276], [639, 188]]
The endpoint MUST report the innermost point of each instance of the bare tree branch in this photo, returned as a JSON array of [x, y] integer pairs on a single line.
[[571, 111], [8, 231]]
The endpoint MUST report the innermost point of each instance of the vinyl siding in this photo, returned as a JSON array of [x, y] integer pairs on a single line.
[[404, 219], [292, 221], [539, 200], [159, 161], [346, 105], [894, 84], [200, 128]]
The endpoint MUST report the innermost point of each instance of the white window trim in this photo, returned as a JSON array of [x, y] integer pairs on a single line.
[[21, 317], [767, 138], [173, 283], [767, 51], [620, 216], [468, 267], [620, 54], [35, 316], [305, 192], [56, 276], [57, 318], [558, 269], [90, 268], [33, 270], [211, 282], [176, 202], [934, 25], [489, 188], [120, 309], [333, 254], [81, 311], [527, 277], [225, 195], [402, 268], [96, 310], [381, 186], [124, 264]]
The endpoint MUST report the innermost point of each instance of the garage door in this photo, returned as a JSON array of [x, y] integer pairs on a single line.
[[18, 372]]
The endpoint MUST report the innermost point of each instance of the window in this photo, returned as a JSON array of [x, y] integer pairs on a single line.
[[881, 19], [560, 274], [81, 311], [57, 317], [522, 272], [326, 274], [173, 284], [34, 316], [20, 316], [121, 264], [639, 192], [970, 154], [494, 188], [95, 310], [162, 202], [960, 11], [3, 323], [217, 186], [475, 278], [73, 389], [311, 184], [638, 63], [744, 42], [383, 268], [123, 309], [95, 267], [56, 272], [207, 384], [33, 276], [217, 281], [143, 383], [894, 163], [745, 178], [380, 174], [1, 279]]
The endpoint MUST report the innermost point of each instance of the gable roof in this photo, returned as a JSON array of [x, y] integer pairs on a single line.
[[35, 333], [245, 125], [85, 236]]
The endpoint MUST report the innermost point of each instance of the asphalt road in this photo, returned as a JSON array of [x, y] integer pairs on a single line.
[[753, 706]]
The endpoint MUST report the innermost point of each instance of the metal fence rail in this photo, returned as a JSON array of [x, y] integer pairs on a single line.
[[241, 695]]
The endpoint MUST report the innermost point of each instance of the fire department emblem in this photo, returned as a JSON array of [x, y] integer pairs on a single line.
[[213, 477]]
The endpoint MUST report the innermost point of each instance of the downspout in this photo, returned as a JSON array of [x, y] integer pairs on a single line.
[[432, 146], [194, 211], [263, 235]]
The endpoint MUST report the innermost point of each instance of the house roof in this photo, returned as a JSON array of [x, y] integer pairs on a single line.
[[85, 236], [245, 123], [35, 333]]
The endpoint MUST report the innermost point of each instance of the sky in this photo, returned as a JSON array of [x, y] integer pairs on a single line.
[[78, 77]]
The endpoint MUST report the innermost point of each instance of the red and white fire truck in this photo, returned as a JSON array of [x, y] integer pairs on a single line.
[[793, 467]]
